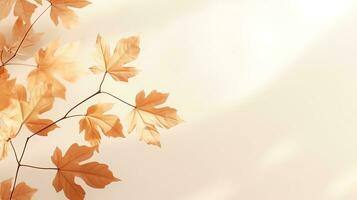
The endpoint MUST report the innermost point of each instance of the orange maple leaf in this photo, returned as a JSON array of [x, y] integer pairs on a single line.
[[9, 46], [8, 89], [22, 191], [41, 101], [53, 63], [23, 9], [60, 9], [145, 117], [96, 119], [94, 174], [127, 50]]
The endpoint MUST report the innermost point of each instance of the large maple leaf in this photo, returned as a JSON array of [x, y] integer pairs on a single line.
[[22, 191], [126, 51], [96, 119], [94, 174], [60, 9], [146, 117], [53, 63], [41, 101]]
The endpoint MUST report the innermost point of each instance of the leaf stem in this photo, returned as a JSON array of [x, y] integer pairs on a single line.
[[35, 167], [14, 150], [22, 64], [101, 83], [129, 104]]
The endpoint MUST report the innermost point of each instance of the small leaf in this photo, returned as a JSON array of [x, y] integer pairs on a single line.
[[145, 117], [96, 119], [22, 191], [127, 50], [60, 9]]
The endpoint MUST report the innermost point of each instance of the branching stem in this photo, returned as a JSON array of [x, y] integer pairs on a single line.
[[66, 116]]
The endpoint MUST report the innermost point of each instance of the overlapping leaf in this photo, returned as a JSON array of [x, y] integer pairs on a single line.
[[96, 119], [22, 191], [60, 10], [94, 174], [126, 51], [41, 101], [8, 46], [27, 111], [53, 63], [145, 118], [23, 9], [7, 88]]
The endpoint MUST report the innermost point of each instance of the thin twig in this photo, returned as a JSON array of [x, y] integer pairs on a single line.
[[129, 104], [22, 64], [14, 150], [35, 167]]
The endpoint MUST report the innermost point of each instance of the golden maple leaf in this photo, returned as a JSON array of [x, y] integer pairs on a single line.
[[96, 119], [53, 63], [94, 174], [60, 9], [126, 51], [22, 191], [145, 117]]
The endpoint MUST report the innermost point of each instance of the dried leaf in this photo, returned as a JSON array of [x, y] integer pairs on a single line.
[[8, 89], [22, 191], [23, 9], [94, 174], [95, 119], [41, 101], [127, 50], [9, 46], [145, 117], [60, 9], [53, 63], [5, 8]]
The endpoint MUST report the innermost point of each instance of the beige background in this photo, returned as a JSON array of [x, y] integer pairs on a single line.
[[267, 88]]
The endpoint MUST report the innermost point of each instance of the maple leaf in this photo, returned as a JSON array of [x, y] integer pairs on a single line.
[[41, 101], [53, 63], [145, 117], [127, 50], [23, 9], [27, 112], [8, 89], [60, 9], [96, 119], [94, 174], [10, 45], [21, 192]]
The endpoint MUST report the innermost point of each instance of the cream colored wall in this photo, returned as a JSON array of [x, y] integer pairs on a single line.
[[267, 88]]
